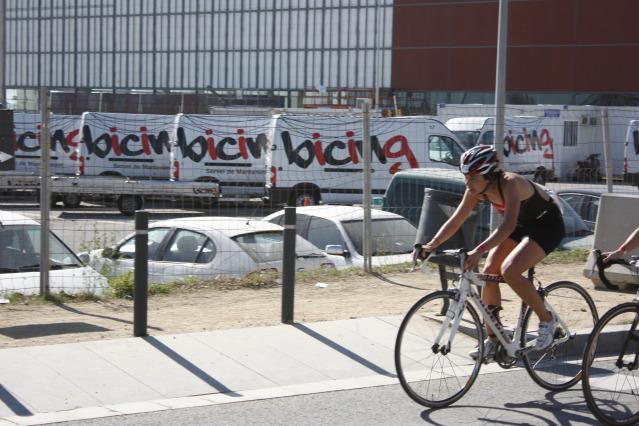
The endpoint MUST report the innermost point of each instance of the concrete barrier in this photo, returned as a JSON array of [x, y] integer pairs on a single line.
[[617, 217]]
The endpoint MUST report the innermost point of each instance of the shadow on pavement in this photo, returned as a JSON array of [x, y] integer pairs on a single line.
[[558, 413], [341, 349], [13, 404], [189, 366]]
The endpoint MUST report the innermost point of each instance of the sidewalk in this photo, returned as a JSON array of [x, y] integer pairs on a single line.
[[46, 384]]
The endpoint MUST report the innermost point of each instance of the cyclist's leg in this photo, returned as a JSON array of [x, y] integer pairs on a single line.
[[491, 294], [526, 255]]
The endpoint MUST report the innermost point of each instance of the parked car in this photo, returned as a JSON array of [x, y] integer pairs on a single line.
[[20, 261], [208, 247], [585, 202], [405, 196], [338, 231]]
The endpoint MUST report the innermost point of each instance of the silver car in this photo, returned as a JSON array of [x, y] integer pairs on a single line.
[[20, 261], [208, 247]]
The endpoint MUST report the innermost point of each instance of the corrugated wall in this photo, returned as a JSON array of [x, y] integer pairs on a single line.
[[554, 45], [192, 44]]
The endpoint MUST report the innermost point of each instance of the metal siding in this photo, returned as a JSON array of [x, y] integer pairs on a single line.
[[191, 44]]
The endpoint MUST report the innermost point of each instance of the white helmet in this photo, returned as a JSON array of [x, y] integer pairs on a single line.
[[480, 159]]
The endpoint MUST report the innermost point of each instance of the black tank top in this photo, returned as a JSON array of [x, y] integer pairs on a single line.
[[530, 209]]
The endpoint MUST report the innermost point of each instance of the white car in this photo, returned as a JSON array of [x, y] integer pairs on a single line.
[[338, 231], [20, 261], [208, 247]]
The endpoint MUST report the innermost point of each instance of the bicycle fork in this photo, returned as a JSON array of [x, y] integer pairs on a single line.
[[453, 314], [631, 336]]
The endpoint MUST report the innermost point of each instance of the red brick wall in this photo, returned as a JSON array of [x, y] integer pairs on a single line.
[[554, 45]]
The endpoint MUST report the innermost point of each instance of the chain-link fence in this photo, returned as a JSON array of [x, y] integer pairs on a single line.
[[215, 186]]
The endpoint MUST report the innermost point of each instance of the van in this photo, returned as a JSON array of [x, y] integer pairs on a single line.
[[232, 150], [319, 158], [405, 196], [64, 143], [631, 153], [543, 147], [127, 145]]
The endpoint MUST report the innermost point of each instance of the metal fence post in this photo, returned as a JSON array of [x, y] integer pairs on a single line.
[[500, 93], [45, 144], [606, 149], [366, 189], [288, 266], [141, 274]]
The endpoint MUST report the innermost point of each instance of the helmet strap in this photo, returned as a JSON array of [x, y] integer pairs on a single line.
[[485, 187]]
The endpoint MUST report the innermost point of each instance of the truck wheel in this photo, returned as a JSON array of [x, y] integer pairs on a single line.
[[208, 203], [71, 201], [128, 204], [304, 197]]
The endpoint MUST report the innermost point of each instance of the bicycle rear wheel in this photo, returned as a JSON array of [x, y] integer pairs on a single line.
[[559, 366], [428, 376], [612, 393]]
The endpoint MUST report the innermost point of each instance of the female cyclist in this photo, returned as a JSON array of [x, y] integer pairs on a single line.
[[531, 226]]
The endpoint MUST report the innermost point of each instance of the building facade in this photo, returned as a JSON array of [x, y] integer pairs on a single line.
[[417, 53]]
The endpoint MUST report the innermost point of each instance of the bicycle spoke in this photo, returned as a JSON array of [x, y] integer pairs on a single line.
[[435, 379]]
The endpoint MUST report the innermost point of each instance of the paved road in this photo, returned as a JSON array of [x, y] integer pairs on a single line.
[[510, 398]]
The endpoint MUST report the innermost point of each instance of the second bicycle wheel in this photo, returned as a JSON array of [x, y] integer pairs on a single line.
[[432, 377], [610, 381], [559, 366]]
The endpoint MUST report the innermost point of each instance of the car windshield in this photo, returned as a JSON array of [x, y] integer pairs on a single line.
[[20, 250], [389, 236], [268, 246], [468, 138]]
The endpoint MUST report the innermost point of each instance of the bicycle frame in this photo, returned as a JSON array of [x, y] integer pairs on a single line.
[[468, 293]]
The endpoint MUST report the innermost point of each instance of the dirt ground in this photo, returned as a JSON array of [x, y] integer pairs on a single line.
[[206, 309]]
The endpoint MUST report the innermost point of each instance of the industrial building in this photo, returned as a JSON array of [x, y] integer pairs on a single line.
[[412, 53]]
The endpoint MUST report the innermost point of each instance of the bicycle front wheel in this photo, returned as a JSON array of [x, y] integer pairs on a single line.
[[431, 376], [559, 366], [611, 382]]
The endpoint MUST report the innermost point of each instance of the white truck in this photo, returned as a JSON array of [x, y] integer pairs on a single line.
[[631, 153], [545, 147], [109, 166], [127, 145], [26, 149], [232, 150], [320, 158], [589, 132]]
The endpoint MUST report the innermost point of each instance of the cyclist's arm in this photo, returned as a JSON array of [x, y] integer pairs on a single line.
[[508, 222], [455, 222], [631, 243]]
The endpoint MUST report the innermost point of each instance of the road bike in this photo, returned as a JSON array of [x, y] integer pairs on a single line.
[[611, 357], [438, 333]]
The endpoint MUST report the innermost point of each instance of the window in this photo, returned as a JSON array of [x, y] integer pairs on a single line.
[[20, 250], [156, 236], [570, 133], [444, 150], [268, 246], [185, 247], [488, 138], [323, 232], [390, 236]]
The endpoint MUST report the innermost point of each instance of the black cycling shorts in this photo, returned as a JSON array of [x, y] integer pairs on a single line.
[[547, 230]]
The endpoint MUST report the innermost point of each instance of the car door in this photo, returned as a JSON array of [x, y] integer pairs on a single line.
[[323, 232], [125, 252], [187, 253]]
